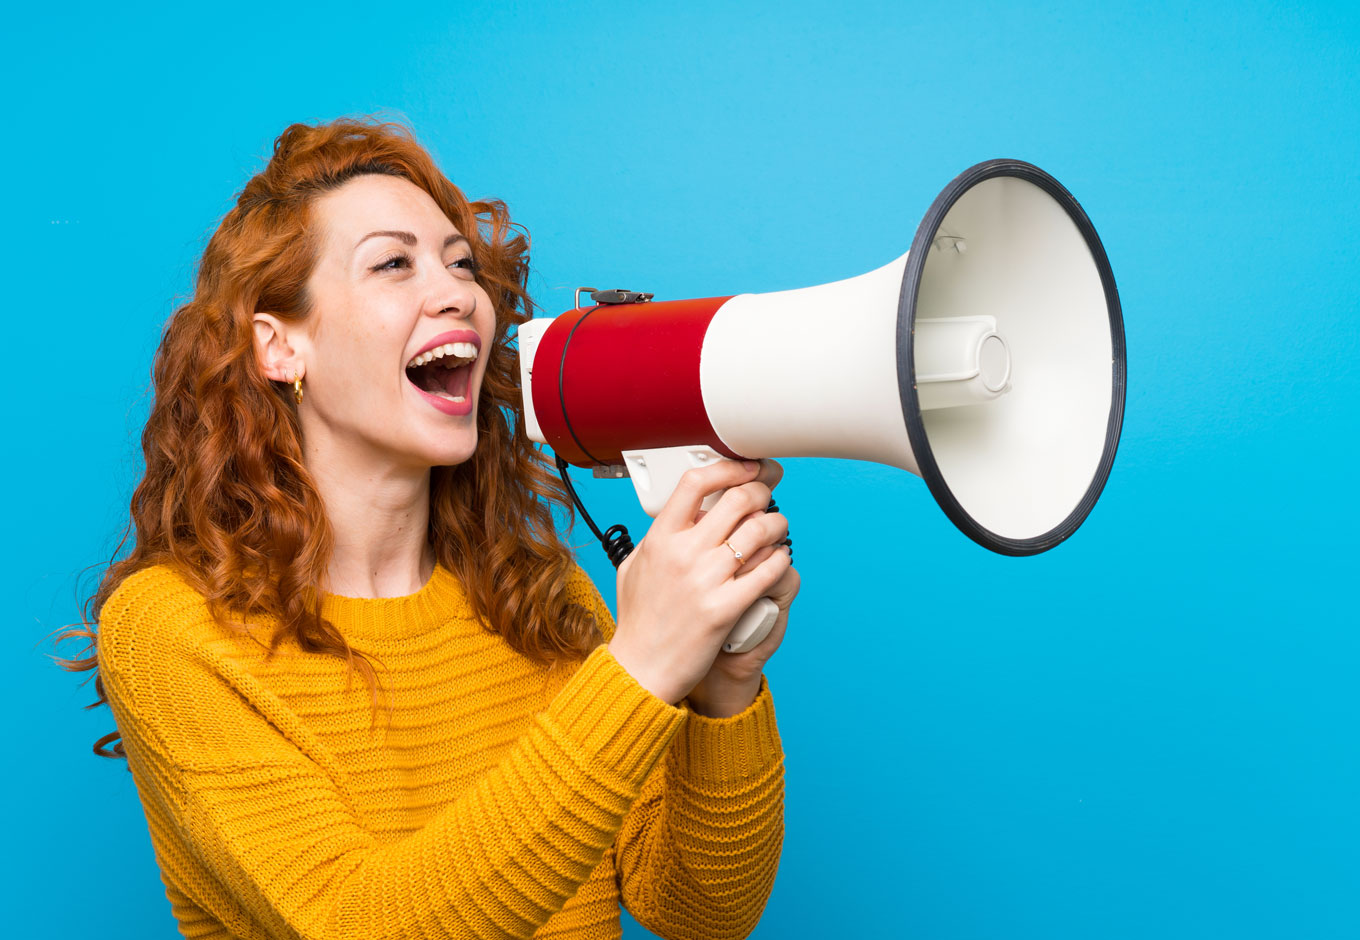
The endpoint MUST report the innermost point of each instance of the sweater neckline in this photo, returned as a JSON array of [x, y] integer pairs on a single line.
[[439, 599]]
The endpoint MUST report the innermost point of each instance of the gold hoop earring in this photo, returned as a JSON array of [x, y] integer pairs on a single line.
[[297, 387]]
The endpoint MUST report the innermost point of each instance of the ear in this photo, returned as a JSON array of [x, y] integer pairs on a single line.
[[274, 350]]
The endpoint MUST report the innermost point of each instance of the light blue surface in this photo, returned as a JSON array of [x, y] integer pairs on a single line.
[[1148, 732]]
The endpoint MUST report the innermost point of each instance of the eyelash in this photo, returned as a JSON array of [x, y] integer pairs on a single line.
[[469, 263]]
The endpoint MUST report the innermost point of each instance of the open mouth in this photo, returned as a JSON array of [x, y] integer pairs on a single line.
[[444, 372]]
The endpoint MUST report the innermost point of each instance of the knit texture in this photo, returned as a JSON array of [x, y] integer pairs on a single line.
[[490, 796]]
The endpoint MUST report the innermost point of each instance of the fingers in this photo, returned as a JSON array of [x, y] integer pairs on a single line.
[[694, 485], [786, 588], [771, 472], [736, 504], [749, 562], [748, 499], [758, 531], [758, 578]]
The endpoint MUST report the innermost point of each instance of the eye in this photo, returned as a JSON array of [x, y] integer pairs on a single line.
[[466, 263], [393, 262]]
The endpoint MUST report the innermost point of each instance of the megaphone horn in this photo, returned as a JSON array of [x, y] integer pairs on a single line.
[[988, 359]]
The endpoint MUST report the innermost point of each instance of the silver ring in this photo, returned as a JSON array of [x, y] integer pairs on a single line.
[[741, 559]]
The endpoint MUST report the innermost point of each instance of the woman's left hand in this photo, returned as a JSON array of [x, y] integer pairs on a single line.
[[733, 681]]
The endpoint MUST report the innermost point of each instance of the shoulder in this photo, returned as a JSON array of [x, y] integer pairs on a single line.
[[157, 599], [158, 590], [152, 611], [581, 590], [175, 686]]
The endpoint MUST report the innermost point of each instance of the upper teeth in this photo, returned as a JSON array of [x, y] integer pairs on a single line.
[[458, 350]]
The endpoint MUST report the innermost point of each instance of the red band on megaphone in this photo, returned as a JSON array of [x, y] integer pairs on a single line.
[[624, 376]]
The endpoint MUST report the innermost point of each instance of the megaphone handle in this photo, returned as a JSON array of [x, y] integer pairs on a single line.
[[752, 627], [655, 473]]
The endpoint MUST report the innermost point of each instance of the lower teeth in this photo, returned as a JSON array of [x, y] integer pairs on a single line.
[[456, 399]]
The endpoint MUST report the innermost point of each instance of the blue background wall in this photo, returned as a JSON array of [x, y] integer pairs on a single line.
[[1150, 731]]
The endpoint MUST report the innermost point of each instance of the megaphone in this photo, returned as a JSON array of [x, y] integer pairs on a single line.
[[988, 360]]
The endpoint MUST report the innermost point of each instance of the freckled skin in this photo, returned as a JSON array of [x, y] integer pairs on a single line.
[[366, 325]]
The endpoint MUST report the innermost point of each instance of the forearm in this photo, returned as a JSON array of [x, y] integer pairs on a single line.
[[698, 855], [714, 697]]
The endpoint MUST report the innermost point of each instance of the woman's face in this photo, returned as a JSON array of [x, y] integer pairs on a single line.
[[396, 345]]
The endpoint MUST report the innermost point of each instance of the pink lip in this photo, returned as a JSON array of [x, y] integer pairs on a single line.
[[443, 404], [463, 407]]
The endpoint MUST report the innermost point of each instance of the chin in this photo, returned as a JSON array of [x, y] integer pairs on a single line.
[[452, 453]]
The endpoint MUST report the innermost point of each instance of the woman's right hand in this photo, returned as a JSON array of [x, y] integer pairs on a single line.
[[678, 596]]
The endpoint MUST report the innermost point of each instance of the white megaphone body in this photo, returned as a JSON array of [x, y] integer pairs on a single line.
[[988, 360]]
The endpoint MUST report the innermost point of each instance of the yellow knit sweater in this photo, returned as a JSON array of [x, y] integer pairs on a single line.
[[499, 799]]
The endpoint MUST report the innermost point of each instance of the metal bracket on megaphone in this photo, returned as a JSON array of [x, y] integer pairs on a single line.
[[616, 296]]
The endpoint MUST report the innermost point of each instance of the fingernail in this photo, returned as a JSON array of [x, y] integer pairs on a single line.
[[750, 465]]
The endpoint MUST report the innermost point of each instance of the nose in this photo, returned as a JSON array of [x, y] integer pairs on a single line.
[[454, 296]]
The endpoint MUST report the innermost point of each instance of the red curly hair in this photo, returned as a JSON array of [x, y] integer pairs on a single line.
[[226, 499]]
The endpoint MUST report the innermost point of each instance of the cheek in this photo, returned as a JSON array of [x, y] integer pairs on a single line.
[[364, 343], [357, 369], [486, 324], [486, 313]]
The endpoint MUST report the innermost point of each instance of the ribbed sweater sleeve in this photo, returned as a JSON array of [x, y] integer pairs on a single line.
[[697, 854], [266, 813]]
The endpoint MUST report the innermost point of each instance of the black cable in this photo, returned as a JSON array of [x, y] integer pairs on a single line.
[[562, 391], [616, 542]]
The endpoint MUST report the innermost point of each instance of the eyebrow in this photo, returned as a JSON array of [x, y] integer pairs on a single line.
[[406, 238]]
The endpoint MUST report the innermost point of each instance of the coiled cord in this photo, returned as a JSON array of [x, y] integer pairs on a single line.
[[616, 542]]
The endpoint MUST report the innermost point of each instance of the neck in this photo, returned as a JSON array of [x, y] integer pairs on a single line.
[[379, 515]]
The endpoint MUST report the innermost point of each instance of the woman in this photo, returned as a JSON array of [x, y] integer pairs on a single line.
[[338, 481]]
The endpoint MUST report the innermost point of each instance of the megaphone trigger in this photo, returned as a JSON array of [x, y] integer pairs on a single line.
[[656, 472]]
